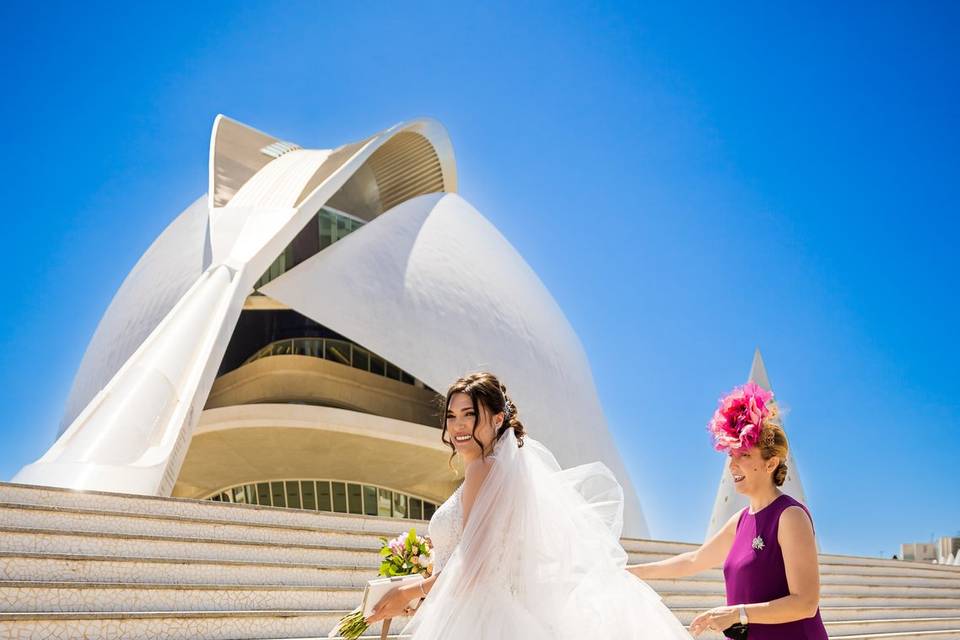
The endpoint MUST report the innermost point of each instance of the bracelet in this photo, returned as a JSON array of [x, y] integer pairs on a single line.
[[743, 615], [421, 589]]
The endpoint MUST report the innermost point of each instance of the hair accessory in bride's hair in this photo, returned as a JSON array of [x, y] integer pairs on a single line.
[[737, 422]]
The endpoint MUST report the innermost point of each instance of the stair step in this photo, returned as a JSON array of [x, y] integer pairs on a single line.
[[175, 625], [35, 596], [884, 625], [893, 625], [98, 521], [206, 510], [854, 614], [706, 601], [93, 568], [229, 625], [33, 540]]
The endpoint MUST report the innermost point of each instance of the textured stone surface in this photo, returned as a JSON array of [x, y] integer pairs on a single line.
[[328, 554], [110, 566]]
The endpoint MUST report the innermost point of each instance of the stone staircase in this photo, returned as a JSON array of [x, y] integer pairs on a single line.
[[101, 565]]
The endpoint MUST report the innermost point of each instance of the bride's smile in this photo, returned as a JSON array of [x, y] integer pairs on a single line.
[[466, 432]]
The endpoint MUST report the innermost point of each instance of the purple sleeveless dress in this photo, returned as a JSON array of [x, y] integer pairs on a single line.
[[758, 575]]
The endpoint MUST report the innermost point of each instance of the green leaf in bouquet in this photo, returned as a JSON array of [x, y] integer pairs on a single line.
[[385, 551]]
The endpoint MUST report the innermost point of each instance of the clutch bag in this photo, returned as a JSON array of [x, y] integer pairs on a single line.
[[379, 587]]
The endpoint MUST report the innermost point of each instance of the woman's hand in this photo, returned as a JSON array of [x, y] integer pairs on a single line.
[[717, 619], [394, 604]]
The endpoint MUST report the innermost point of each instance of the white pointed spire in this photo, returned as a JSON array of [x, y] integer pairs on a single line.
[[728, 501], [758, 371]]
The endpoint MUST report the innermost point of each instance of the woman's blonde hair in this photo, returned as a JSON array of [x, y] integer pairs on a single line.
[[773, 442]]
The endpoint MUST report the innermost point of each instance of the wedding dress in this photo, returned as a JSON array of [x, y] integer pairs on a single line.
[[539, 559]]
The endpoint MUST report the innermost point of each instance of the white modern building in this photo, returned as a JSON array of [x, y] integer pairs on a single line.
[[284, 340], [946, 550]]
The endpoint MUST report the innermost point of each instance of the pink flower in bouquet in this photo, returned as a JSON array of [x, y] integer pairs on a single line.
[[396, 545], [737, 422]]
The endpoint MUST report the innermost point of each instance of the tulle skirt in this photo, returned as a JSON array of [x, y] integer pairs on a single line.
[[540, 559]]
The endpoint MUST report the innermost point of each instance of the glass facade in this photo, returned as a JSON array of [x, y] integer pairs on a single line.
[[330, 495], [340, 351], [276, 268], [328, 226], [334, 226]]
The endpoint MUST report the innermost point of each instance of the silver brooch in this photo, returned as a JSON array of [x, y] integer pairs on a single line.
[[758, 543]]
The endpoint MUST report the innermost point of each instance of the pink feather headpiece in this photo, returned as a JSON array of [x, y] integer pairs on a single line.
[[737, 422]]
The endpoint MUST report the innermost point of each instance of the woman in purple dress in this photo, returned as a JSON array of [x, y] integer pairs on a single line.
[[767, 550]]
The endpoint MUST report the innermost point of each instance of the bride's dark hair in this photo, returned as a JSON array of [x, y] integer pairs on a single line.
[[484, 388]]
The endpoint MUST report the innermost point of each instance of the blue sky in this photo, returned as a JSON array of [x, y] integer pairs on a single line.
[[690, 182]]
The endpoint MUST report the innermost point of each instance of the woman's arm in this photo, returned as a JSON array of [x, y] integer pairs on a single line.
[[800, 561], [711, 554], [393, 603], [802, 568]]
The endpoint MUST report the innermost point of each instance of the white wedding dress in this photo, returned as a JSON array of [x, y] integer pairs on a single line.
[[540, 559]]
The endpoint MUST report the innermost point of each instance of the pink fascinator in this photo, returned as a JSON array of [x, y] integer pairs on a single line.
[[737, 422]]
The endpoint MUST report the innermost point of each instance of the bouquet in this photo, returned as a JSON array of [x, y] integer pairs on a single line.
[[407, 554]]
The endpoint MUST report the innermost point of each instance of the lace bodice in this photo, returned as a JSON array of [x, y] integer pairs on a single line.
[[445, 529], [446, 526]]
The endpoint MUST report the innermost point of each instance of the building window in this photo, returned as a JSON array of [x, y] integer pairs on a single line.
[[355, 495], [342, 352], [331, 496], [339, 497], [324, 501], [370, 500], [333, 225]]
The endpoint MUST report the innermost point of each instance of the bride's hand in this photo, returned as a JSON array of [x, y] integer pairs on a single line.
[[392, 604], [717, 619]]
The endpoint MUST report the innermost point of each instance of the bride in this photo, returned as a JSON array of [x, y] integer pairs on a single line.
[[523, 548]]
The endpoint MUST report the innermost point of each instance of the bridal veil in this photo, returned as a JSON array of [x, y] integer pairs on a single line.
[[540, 559]]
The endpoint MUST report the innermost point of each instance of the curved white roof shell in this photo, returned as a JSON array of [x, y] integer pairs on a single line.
[[428, 283]]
